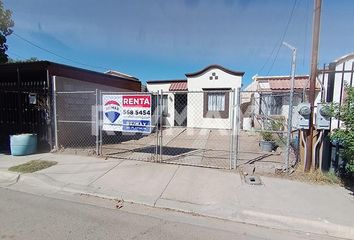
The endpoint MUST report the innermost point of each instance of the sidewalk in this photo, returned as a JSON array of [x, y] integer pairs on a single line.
[[278, 203]]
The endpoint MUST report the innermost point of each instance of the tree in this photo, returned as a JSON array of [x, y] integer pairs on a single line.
[[31, 59], [345, 135], [6, 25]]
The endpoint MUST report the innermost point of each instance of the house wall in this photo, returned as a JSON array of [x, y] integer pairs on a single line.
[[196, 100], [71, 85], [77, 107], [168, 120], [339, 82]]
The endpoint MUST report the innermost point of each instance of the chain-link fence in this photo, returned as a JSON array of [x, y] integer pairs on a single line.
[[221, 129], [130, 138], [76, 121], [197, 128], [264, 142]]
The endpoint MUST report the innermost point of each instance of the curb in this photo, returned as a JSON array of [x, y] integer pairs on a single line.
[[257, 218], [7, 177], [238, 215], [294, 223]]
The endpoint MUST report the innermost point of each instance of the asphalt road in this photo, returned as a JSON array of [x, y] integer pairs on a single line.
[[27, 216]]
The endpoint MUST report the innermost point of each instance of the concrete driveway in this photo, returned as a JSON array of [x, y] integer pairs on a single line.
[[189, 146]]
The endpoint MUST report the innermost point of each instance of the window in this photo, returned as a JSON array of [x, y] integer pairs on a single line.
[[276, 105], [216, 101], [216, 104]]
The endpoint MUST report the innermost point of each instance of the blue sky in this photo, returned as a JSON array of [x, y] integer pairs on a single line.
[[164, 39]]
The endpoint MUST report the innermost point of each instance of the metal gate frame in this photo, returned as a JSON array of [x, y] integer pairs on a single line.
[[157, 117], [156, 123], [234, 129]]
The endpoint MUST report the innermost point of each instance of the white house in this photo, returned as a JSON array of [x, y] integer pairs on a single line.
[[202, 100], [268, 97], [334, 78]]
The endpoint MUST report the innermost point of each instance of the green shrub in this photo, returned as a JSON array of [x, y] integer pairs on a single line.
[[345, 134]]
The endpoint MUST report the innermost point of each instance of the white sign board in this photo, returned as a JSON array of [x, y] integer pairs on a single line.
[[127, 113]]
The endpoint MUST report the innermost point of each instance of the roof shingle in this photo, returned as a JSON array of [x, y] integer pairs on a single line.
[[178, 86]]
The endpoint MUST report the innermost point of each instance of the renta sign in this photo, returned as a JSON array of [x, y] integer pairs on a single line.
[[137, 101], [127, 113]]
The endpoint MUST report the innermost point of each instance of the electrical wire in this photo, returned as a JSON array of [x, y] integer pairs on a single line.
[[278, 44], [55, 54], [15, 54], [283, 35], [306, 29]]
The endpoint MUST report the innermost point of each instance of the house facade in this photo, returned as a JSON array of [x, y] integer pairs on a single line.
[[334, 77], [202, 100], [268, 97]]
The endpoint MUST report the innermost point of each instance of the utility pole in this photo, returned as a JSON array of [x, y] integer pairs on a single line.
[[290, 114], [312, 91]]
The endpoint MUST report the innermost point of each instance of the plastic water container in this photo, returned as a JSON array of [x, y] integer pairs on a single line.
[[247, 124], [23, 144]]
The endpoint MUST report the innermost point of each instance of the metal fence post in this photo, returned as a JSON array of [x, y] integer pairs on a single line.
[[100, 119], [232, 132], [56, 144], [237, 127], [97, 123], [161, 130], [157, 110]]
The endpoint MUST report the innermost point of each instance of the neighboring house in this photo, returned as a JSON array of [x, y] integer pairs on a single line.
[[202, 100], [268, 97], [27, 99], [335, 77]]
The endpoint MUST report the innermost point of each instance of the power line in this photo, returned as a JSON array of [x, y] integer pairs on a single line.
[[283, 36], [306, 29], [278, 44], [55, 54], [15, 54]]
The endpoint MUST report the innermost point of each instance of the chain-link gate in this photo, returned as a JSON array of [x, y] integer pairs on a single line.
[[197, 128], [183, 130]]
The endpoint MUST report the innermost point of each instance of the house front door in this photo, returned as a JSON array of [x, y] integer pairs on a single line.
[[180, 109]]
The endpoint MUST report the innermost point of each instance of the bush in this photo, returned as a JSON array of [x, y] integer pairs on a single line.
[[345, 135]]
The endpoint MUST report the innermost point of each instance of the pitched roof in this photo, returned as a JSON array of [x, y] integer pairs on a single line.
[[119, 74], [284, 82], [195, 74], [44, 63], [178, 86], [165, 81], [57, 69]]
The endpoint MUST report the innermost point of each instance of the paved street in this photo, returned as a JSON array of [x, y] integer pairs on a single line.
[[277, 203], [27, 216]]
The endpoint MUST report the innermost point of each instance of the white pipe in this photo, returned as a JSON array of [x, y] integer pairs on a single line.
[[290, 112]]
